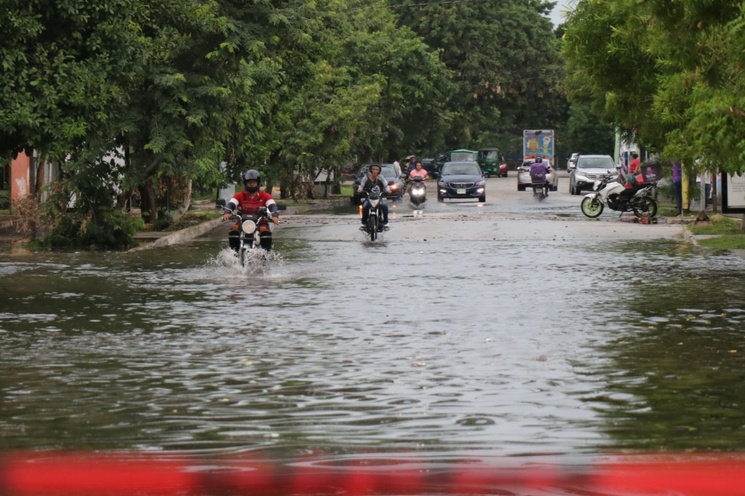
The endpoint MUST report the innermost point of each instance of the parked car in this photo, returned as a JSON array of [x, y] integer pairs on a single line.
[[588, 169], [572, 160], [523, 176], [388, 172], [461, 180]]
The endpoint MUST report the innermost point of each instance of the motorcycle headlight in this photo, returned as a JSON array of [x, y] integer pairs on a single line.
[[248, 226], [417, 192]]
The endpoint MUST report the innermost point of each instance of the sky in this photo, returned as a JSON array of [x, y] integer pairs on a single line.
[[557, 15]]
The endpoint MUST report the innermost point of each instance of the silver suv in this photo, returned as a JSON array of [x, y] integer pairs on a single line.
[[588, 169]]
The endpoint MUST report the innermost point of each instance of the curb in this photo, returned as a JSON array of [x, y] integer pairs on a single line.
[[180, 236]]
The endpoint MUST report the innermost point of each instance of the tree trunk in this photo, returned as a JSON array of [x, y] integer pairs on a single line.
[[148, 206], [269, 186], [185, 204]]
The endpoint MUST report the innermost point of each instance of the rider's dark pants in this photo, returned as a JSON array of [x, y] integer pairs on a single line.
[[266, 242], [366, 211]]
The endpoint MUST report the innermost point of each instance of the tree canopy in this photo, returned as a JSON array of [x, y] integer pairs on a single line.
[[141, 97], [670, 74], [505, 64]]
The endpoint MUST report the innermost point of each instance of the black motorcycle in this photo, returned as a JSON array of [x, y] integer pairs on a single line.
[[249, 232], [540, 189], [375, 218]]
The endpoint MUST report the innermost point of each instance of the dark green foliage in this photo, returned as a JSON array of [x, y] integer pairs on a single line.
[[668, 73], [504, 60], [113, 230], [587, 133], [174, 87]]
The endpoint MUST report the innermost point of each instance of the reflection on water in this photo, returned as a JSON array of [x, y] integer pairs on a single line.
[[439, 348], [673, 374]]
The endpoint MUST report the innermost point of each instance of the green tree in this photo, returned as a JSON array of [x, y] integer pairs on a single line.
[[669, 73], [350, 85], [504, 60], [587, 132]]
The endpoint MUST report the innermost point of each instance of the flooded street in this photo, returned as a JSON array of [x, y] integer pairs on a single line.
[[499, 330]]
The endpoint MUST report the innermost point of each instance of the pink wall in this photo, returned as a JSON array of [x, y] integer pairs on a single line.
[[19, 177]]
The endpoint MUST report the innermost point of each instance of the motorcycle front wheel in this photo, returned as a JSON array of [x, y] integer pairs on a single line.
[[591, 207], [372, 226], [645, 206]]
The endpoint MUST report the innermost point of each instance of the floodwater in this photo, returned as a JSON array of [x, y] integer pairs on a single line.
[[468, 333]]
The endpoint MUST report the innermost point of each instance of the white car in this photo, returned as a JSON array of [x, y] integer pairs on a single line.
[[523, 176], [587, 170]]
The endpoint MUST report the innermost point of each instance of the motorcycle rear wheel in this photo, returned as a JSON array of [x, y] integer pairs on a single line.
[[591, 207], [645, 207]]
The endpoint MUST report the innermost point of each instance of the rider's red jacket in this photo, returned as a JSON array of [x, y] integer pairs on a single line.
[[249, 203]]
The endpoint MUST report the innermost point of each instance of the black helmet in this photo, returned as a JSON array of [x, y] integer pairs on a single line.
[[252, 175], [538, 160], [380, 169]]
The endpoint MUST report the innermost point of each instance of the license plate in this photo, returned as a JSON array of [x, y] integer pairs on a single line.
[[460, 191]]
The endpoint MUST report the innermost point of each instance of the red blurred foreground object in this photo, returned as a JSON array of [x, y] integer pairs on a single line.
[[62, 474]]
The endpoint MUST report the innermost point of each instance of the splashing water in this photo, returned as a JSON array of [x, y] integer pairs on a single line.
[[258, 263]]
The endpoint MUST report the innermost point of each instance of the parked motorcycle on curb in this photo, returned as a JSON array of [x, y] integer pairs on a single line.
[[610, 192], [375, 218], [249, 232], [417, 192]]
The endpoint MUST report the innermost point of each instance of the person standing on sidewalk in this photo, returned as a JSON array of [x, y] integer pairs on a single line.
[[678, 188]]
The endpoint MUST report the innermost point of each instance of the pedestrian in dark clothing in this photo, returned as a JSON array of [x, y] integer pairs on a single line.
[[678, 188]]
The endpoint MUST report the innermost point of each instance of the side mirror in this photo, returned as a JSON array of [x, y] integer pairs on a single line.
[[571, 166]]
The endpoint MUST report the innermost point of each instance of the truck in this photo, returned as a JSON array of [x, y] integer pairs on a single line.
[[538, 143]]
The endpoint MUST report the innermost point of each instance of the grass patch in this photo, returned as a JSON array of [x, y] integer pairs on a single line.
[[667, 210], [720, 224], [726, 242], [194, 217], [347, 189], [727, 231]]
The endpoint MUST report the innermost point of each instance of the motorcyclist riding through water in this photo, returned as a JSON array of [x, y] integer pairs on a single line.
[[539, 171], [368, 182], [251, 199]]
